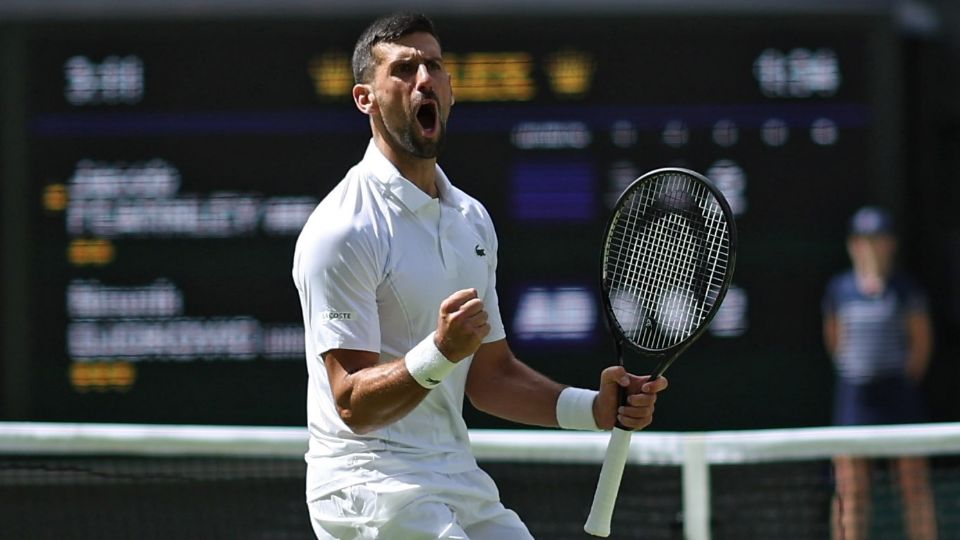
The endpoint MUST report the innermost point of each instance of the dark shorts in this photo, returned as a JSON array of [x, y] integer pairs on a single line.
[[888, 400]]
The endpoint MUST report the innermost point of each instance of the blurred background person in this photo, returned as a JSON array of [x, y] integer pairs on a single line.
[[877, 329]]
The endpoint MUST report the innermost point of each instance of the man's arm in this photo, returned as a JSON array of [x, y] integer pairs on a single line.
[[370, 395], [920, 331], [831, 334], [502, 385]]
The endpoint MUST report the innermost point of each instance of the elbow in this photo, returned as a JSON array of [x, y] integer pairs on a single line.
[[354, 419], [482, 401], [478, 404], [356, 423]]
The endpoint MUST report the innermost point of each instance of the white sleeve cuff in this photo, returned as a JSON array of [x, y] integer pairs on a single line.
[[575, 409], [427, 364]]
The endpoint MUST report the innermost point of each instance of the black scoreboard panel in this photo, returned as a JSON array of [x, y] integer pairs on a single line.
[[171, 166]]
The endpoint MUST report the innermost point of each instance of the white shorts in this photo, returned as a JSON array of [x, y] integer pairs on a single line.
[[433, 506]]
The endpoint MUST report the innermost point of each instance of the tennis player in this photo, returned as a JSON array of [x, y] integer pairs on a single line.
[[396, 272]]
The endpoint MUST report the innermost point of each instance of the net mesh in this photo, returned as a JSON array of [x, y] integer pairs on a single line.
[[123, 481]]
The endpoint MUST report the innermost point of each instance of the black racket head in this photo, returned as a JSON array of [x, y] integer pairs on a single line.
[[668, 257]]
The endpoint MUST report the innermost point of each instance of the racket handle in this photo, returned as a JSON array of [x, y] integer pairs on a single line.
[[605, 498]]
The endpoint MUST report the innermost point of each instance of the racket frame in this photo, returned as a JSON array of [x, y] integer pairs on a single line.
[[664, 357]]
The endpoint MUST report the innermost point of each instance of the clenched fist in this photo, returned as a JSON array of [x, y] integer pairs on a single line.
[[461, 325]]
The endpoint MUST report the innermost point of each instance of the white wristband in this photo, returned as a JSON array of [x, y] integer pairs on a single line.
[[575, 409], [427, 364]]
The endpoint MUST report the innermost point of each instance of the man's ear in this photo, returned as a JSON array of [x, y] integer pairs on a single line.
[[364, 98], [453, 95]]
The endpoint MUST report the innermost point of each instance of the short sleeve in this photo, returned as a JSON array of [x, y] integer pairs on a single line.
[[337, 269], [492, 304], [491, 300]]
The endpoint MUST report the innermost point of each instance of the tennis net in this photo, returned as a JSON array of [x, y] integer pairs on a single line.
[[109, 481]]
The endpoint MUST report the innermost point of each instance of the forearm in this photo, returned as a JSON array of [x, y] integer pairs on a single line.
[[831, 335], [503, 386], [518, 393], [919, 358], [377, 396], [917, 366], [921, 346], [370, 394]]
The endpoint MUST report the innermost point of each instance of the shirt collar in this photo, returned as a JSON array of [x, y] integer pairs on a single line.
[[409, 194]]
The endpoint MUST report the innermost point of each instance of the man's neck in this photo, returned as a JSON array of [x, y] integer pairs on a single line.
[[870, 281], [422, 172]]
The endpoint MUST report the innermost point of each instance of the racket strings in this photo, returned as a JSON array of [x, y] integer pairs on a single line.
[[666, 268], [667, 257]]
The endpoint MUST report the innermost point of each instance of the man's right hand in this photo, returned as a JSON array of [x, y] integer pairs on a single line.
[[461, 325]]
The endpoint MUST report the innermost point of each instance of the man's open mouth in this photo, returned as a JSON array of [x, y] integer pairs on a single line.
[[427, 117]]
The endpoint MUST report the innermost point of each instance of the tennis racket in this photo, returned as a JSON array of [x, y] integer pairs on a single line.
[[668, 257]]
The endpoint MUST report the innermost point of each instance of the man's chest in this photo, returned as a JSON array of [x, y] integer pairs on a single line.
[[430, 259]]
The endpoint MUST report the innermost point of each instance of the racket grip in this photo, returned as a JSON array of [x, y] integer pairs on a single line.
[[605, 498]]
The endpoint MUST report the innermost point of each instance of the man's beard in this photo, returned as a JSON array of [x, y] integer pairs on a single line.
[[406, 139]]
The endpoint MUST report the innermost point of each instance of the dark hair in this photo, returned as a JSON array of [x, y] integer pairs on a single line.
[[385, 29]]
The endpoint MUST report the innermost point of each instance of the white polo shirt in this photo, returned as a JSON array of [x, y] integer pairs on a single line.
[[372, 265]]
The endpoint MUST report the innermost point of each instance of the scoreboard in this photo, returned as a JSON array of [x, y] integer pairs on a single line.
[[170, 166]]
